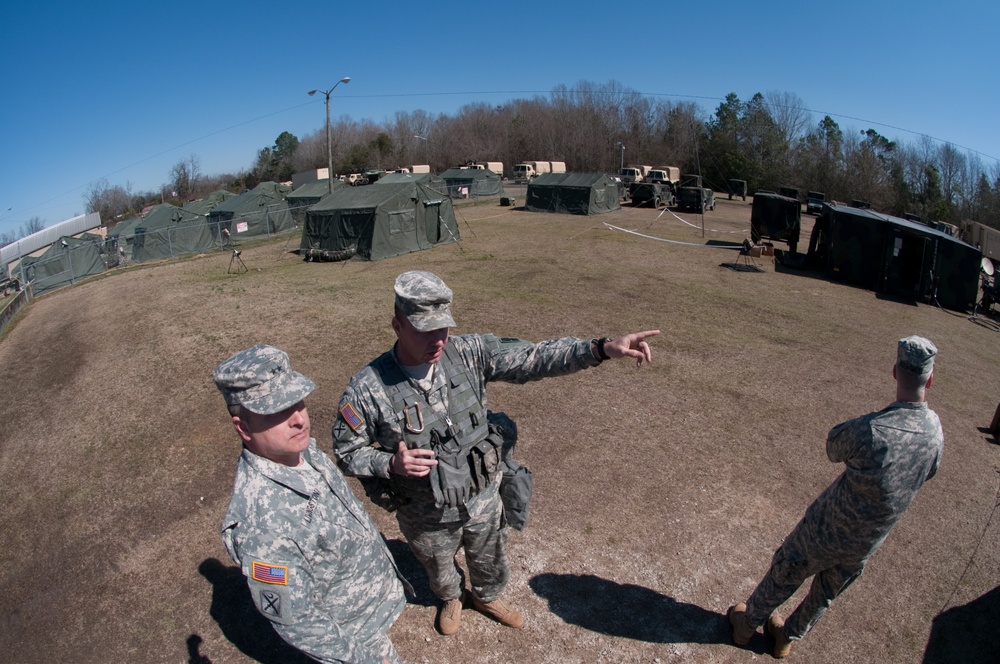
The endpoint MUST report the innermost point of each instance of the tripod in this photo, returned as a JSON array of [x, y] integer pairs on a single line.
[[236, 260]]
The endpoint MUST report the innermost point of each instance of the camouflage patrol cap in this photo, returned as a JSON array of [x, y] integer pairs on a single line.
[[261, 380], [424, 300], [916, 355]]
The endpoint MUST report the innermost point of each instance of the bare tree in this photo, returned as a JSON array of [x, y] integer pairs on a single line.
[[112, 202], [789, 113]]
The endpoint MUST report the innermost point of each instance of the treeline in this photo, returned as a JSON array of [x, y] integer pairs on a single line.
[[770, 140]]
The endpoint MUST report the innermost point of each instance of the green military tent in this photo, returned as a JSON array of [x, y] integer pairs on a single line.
[[898, 257], [261, 211], [431, 180], [167, 231], [308, 195], [66, 261], [572, 193], [379, 221], [472, 182], [121, 236], [775, 217], [205, 205]]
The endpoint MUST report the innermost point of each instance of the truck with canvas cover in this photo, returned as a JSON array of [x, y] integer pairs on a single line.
[[664, 174], [527, 170], [634, 173], [692, 196], [495, 166]]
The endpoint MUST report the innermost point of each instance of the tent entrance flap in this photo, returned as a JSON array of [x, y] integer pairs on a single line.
[[432, 222]]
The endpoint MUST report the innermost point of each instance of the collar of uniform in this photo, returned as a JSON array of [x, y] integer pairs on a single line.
[[282, 474]]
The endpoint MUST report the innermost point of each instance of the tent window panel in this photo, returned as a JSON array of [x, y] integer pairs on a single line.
[[599, 196], [403, 221]]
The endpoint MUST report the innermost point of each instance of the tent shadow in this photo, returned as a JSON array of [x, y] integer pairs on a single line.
[[966, 633], [631, 611], [234, 611]]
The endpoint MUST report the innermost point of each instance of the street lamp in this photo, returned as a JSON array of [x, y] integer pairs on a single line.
[[329, 144], [427, 148]]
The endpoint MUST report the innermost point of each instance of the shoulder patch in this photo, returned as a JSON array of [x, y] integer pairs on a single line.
[[351, 417], [264, 573]]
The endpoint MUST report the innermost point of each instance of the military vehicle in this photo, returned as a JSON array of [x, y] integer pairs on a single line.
[[692, 196], [654, 194], [814, 202], [737, 188]]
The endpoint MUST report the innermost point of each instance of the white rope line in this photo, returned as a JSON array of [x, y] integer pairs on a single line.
[[684, 221], [653, 237]]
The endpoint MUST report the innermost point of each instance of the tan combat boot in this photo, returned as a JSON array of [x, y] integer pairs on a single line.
[[499, 610], [782, 644], [742, 631], [450, 616]]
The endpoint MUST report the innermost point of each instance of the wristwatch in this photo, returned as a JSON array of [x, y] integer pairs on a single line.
[[601, 355]]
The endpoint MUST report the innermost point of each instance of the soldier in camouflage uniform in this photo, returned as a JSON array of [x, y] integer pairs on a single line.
[[889, 454], [317, 567], [414, 423]]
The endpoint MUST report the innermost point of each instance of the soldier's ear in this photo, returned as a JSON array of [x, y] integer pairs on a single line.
[[930, 379], [241, 428]]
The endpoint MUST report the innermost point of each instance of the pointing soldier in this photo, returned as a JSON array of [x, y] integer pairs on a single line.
[[414, 421], [888, 455], [317, 567]]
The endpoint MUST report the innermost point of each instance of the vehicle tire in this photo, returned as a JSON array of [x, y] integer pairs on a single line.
[[656, 203]]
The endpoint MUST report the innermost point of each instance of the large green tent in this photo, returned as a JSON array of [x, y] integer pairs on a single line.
[[572, 193], [380, 221], [205, 205], [472, 182], [261, 211], [167, 231], [66, 261], [898, 257], [300, 200]]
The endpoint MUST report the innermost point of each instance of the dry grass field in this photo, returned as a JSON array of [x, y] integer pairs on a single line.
[[660, 493]]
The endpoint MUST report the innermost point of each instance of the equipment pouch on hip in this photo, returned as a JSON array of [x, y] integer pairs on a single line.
[[380, 492], [515, 492]]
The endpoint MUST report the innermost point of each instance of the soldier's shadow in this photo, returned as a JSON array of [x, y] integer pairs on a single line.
[[233, 609], [630, 611], [966, 633]]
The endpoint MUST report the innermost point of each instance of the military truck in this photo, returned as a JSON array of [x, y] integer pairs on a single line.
[[652, 193], [814, 202], [633, 173], [737, 188], [527, 170], [692, 196], [663, 174]]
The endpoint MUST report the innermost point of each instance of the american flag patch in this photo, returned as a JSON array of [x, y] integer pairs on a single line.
[[264, 573], [351, 417]]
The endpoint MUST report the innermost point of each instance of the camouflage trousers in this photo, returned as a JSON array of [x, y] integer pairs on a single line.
[[481, 532], [790, 567], [383, 646]]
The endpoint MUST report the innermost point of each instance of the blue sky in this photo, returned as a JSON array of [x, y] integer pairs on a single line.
[[124, 90]]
